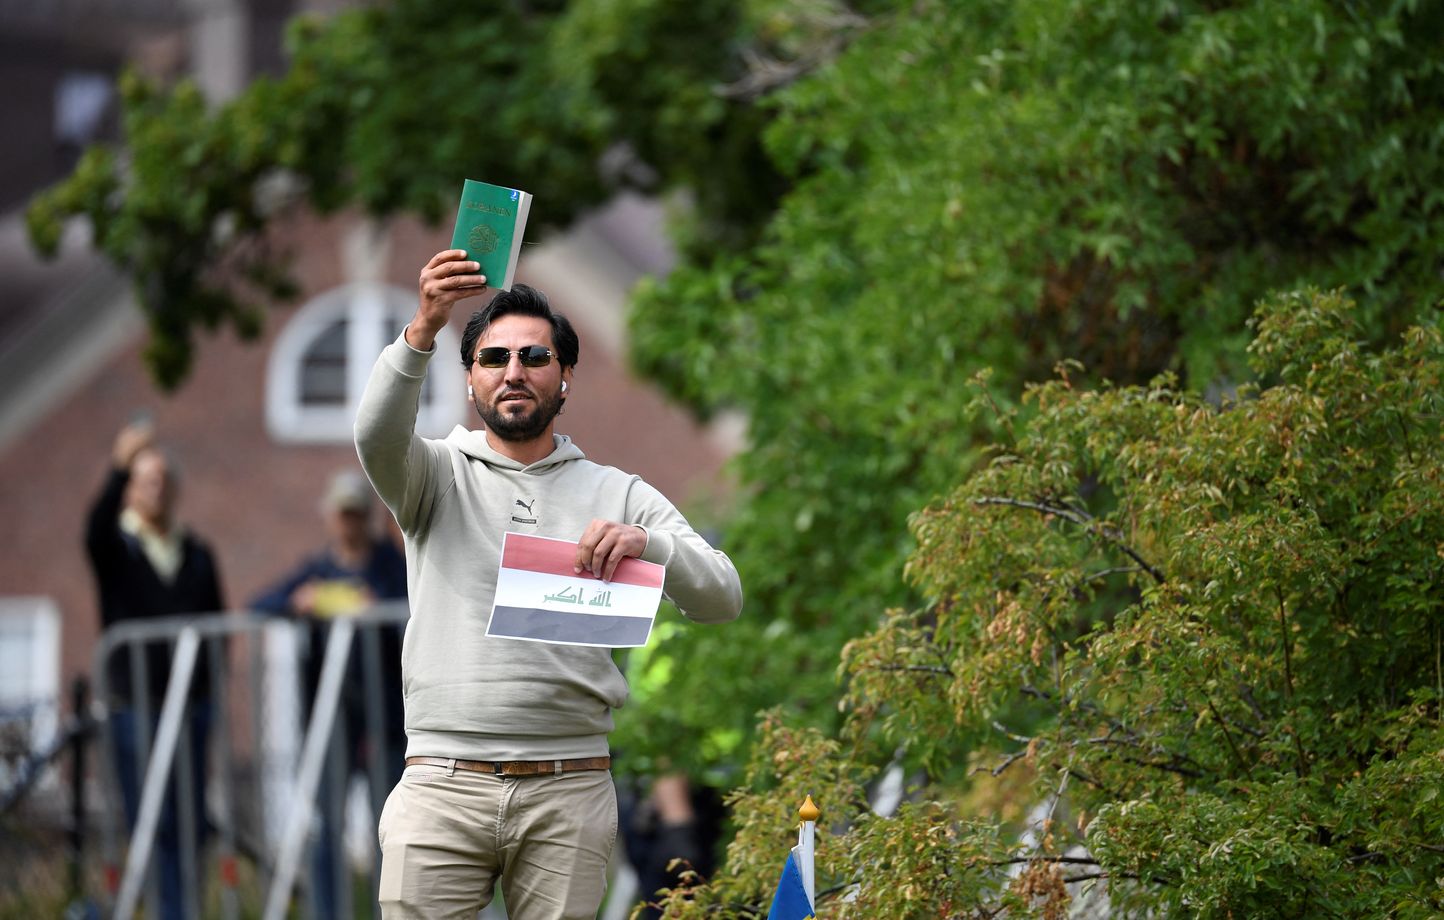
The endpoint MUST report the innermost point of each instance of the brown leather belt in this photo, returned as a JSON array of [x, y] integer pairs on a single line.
[[514, 767]]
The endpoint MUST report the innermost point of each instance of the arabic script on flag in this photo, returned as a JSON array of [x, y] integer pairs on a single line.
[[540, 598]]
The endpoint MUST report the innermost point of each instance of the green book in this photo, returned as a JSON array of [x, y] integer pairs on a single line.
[[489, 225]]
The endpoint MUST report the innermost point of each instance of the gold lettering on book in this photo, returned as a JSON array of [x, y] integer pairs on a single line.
[[487, 208]]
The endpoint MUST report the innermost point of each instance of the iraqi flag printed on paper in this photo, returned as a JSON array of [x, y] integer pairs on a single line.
[[540, 599]]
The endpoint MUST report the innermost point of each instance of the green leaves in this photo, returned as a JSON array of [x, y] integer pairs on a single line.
[[1199, 620], [1006, 187], [1226, 626]]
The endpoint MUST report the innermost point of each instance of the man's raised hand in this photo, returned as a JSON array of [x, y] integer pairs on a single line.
[[447, 278], [131, 440]]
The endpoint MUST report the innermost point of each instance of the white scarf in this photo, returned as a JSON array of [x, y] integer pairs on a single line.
[[162, 549]]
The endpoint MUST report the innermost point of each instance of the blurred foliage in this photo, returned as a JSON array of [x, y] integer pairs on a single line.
[[1223, 649], [877, 201], [1004, 185]]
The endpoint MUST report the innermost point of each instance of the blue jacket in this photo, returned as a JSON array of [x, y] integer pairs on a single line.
[[385, 576]]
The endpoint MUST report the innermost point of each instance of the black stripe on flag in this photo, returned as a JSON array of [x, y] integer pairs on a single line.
[[582, 628]]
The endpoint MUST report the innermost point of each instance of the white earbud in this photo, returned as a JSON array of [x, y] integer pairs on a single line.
[[469, 394], [564, 386]]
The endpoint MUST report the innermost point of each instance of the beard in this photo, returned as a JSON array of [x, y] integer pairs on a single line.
[[524, 425]]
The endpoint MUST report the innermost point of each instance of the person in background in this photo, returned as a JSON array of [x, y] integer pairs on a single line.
[[147, 565], [669, 826], [357, 568]]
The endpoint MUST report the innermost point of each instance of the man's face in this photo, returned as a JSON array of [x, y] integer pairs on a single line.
[[151, 492], [516, 402], [348, 526]]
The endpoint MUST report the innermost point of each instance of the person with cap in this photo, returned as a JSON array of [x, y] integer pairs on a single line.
[[508, 779], [356, 567], [355, 570]]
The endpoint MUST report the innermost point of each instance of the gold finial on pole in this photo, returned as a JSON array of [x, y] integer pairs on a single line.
[[808, 811], [806, 845]]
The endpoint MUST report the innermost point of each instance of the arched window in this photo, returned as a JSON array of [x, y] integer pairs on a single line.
[[323, 357]]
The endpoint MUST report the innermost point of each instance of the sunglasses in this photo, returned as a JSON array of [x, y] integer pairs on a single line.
[[530, 356]]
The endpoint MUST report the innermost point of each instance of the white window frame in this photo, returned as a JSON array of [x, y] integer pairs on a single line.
[[365, 306], [35, 621]]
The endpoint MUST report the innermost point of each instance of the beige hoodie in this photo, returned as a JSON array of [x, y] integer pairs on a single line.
[[474, 697]]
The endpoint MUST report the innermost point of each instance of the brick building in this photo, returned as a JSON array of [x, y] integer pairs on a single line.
[[258, 427]]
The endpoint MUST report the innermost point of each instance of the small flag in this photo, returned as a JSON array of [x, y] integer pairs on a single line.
[[540, 598], [790, 902]]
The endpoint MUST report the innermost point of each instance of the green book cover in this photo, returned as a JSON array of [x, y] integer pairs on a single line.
[[489, 226]]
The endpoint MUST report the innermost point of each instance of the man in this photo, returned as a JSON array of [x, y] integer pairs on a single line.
[[507, 762], [354, 571], [146, 565]]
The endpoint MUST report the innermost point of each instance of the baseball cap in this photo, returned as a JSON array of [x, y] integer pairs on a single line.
[[349, 491]]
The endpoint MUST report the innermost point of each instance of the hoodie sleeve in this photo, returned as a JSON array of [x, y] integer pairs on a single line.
[[700, 580], [409, 472]]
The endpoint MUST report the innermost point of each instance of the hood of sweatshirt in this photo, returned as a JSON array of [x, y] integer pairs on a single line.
[[474, 445]]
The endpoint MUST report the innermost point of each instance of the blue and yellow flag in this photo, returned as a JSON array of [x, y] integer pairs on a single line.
[[790, 902]]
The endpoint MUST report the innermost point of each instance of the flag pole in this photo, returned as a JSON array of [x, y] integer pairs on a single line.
[[805, 840]]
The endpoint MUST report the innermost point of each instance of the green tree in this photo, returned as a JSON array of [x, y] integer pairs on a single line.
[[886, 197], [1004, 185], [1215, 629]]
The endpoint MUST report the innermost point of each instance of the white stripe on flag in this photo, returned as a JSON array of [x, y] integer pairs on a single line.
[[521, 588]]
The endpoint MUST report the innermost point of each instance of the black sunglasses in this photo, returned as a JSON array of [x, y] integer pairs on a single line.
[[531, 356]]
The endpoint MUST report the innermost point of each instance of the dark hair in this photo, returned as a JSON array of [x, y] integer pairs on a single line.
[[527, 301]]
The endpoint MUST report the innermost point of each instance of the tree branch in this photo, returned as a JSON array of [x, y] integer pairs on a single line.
[[1180, 764], [1007, 762], [1071, 879], [1289, 677], [1096, 784], [1105, 573], [1021, 739], [1057, 797], [1171, 766], [1068, 860], [1229, 738], [766, 73], [1082, 519], [924, 668]]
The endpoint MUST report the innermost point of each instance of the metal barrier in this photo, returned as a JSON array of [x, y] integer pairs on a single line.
[[260, 811]]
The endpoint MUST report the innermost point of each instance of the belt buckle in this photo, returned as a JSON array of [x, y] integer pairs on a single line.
[[498, 767]]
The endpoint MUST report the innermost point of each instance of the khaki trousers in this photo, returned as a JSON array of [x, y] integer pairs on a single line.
[[446, 840]]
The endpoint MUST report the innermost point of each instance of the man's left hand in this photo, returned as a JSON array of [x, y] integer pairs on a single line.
[[605, 544]]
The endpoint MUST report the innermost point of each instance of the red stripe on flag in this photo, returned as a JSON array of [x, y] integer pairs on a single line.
[[557, 557]]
